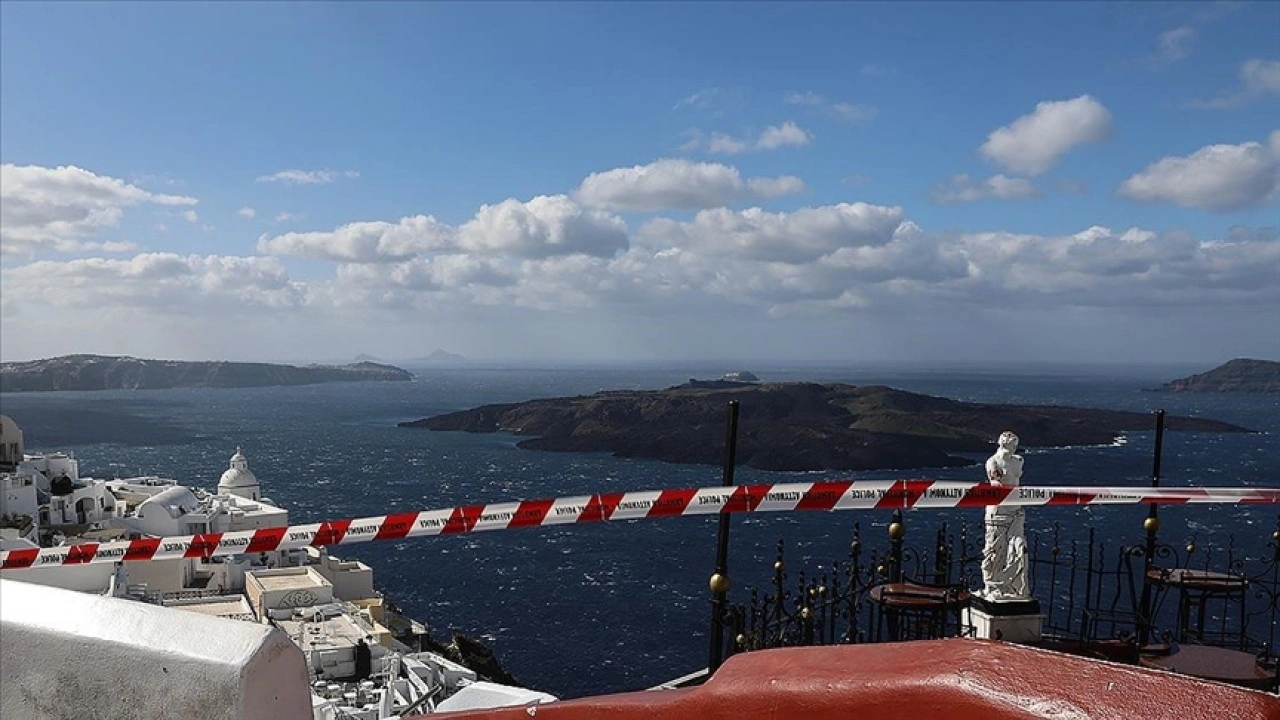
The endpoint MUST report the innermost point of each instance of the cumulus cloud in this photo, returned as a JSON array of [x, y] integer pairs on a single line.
[[1099, 266], [754, 234], [54, 208], [1218, 178], [1258, 78], [678, 184], [307, 177], [830, 263], [285, 216], [364, 242], [159, 281], [847, 112], [1034, 143], [773, 137], [962, 189], [788, 134], [542, 227], [246, 212], [1096, 267], [190, 216]]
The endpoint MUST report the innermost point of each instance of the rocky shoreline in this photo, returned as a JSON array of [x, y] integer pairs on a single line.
[[1241, 375], [796, 426], [103, 372]]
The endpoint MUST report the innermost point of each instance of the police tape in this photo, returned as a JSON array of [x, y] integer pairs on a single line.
[[780, 497]]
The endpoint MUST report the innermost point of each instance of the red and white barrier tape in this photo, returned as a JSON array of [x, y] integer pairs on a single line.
[[781, 497]]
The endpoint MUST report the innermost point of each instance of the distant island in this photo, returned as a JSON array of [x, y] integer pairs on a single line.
[[796, 426], [105, 372], [437, 358], [1241, 375]]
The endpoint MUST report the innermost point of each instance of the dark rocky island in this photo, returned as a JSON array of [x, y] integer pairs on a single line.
[[1241, 375], [796, 426], [102, 372]]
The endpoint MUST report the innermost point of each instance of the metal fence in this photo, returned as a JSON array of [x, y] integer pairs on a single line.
[[1133, 603], [1115, 602]]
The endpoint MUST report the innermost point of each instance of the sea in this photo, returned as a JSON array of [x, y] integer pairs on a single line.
[[617, 606]]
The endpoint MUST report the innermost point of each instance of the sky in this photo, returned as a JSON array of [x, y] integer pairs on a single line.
[[916, 183]]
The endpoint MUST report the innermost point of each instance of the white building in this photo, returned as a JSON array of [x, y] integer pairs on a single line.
[[11, 448], [239, 479], [47, 489]]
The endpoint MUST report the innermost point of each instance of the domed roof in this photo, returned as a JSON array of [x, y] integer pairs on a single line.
[[238, 475], [175, 501], [9, 429]]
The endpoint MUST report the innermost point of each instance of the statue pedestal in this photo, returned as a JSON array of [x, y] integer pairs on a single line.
[[1017, 621]]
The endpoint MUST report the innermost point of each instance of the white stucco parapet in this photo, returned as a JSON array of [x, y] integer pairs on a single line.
[[69, 654]]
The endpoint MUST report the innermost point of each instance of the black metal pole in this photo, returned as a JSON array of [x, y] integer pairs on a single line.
[[720, 578], [1151, 525]]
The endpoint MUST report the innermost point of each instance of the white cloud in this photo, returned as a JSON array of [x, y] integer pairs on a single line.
[[1034, 143], [1218, 178], [246, 212], [781, 186], [848, 112], [307, 177], [773, 137], [754, 234], [1258, 78], [678, 184], [1261, 77], [721, 144], [1172, 46], [364, 242], [162, 282], [285, 216], [679, 281], [542, 227], [190, 216], [707, 99], [788, 134], [42, 207], [962, 188]]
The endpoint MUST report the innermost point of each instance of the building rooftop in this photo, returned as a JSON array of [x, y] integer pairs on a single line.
[[341, 630], [234, 607], [303, 578]]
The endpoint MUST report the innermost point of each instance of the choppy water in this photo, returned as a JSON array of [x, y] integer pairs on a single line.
[[610, 606]]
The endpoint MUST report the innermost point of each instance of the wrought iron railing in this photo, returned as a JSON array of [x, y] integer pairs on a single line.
[[1097, 598]]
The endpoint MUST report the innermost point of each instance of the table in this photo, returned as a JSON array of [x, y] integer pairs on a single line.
[[1212, 663], [915, 611], [1195, 588]]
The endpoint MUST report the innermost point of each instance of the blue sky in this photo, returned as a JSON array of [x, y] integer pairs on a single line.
[[1150, 122]]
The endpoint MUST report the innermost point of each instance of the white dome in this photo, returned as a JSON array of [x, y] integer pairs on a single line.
[[9, 429], [238, 475], [174, 502], [11, 447]]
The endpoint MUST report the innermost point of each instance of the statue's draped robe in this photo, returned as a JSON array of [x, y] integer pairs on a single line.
[[1004, 554]]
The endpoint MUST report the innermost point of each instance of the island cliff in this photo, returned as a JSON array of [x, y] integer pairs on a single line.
[[795, 426], [1241, 375], [101, 372]]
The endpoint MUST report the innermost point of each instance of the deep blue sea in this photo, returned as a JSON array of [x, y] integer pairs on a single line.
[[611, 606]]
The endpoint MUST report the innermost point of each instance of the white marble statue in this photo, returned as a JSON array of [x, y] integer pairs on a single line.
[[1004, 555]]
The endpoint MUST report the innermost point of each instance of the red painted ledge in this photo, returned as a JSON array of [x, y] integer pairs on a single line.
[[957, 679]]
